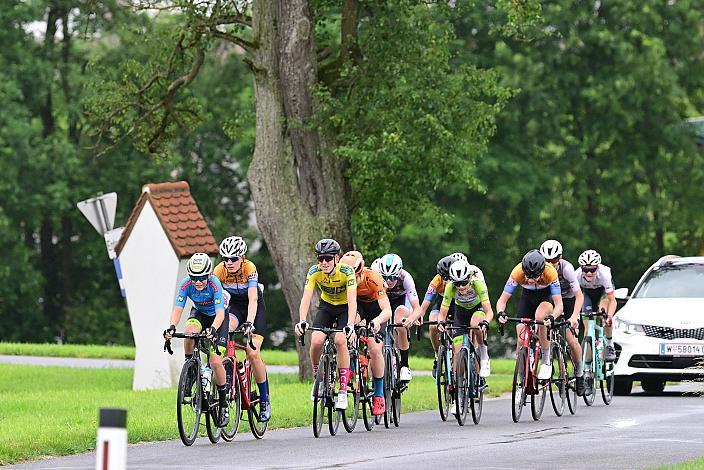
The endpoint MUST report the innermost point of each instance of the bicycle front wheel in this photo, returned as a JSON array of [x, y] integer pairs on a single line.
[[234, 402], [258, 428], [462, 387], [320, 396], [388, 388], [442, 376], [558, 382], [396, 391], [189, 402], [571, 387], [607, 385], [477, 386], [351, 414], [588, 359], [212, 414], [537, 401], [366, 395], [518, 391]]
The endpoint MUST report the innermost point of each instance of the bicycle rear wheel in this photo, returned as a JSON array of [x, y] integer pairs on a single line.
[[212, 414], [367, 396], [477, 386], [258, 428], [558, 382], [607, 385], [518, 391], [462, 387], [588, 359], [234, 402], [320, 395], [334, 416], [350, 416], [189, 402], [571, 387], [396, 391], [443, 385]]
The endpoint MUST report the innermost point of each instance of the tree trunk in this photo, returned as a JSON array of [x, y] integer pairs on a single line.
[[298, 191]]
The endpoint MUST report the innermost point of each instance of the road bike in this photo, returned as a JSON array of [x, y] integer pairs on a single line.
[[563, 386], [365, 380], [596, 369], [525, 373], [197, 392], [243, 393], [468, 386], [393, 385]]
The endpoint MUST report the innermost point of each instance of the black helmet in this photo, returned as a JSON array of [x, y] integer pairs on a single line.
[[327, 246], [533, 264], [443, 267]]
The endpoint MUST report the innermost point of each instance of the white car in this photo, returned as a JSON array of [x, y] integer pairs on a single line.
[[659, 332]]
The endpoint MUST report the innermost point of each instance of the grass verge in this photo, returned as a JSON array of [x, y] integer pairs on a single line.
[[54, 410], [696, 464]]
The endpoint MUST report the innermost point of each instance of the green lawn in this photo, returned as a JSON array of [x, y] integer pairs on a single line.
[[54, 410], [696, 464]]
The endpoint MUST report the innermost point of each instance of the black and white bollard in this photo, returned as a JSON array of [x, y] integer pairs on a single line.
[[111, 445]]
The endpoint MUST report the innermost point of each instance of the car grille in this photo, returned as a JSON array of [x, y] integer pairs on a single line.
[[654, 361], [673, 333]]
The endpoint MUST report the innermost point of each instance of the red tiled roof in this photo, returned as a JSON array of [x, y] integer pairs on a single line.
[[178, 214]]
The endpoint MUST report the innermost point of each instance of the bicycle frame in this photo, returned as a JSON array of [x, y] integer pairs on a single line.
[[244, 374], [595, 332], [531, 342]]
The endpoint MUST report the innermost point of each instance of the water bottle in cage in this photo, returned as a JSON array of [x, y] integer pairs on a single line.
[[207, 373]]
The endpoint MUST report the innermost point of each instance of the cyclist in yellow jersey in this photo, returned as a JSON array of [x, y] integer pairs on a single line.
[[540, 297], [338, 308]]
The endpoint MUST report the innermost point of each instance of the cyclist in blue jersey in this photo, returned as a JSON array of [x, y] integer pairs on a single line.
[[208, 315]]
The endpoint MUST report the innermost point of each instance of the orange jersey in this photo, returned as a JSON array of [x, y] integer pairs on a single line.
[[436, 286], [549, 279], [238, 283], [370, 286]]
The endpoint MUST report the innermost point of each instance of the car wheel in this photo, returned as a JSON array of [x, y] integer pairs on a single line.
[[622, 386], [653, 385]]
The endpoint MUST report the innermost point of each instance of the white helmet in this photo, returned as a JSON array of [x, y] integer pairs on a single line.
[[551, 249], [459, 256], [376, 265], [233, 246], [589, 258], [460, 271], [390, 265], [199, 265]]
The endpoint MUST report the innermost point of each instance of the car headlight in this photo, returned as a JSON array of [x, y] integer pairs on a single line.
[[628, 328]]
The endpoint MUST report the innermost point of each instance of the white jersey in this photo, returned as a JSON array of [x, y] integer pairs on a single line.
[[602, 278], [568, 278]]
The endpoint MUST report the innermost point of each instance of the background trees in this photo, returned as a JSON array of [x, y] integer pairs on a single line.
[[391, 104]]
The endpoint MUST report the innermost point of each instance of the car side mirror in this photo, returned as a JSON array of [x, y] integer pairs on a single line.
[[622, 293]]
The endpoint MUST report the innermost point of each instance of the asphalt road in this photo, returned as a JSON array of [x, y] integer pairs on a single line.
[[639, 431]]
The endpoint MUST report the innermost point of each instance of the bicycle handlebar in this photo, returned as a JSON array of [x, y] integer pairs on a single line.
[[167, 343], [368, 332], [525, 321], [327, 331], [247, 336]]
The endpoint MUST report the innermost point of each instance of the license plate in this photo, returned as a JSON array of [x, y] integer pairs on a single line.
[[681, 349]]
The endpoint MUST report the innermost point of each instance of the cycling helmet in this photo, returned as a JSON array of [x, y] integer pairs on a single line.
[[443, 267], [589, 258], [376, 265], [458, 256], [551, 249], [391, 265], [199, 265], [533, 264], [460, 271], [233, 246], [354, 260], [327, 246]]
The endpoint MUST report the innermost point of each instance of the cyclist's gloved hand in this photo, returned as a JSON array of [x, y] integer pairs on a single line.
[[502, 317], [248, 327], [574, 322], [210, 333], [441, 326], [169, 332], [374, 326], [484, 325], [301, 327], [348, 330], [548, 321]]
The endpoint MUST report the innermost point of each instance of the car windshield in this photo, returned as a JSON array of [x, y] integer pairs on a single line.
[[681, 280]]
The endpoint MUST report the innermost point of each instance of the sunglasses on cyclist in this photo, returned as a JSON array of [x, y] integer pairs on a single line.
[[460, 283], [554, 260], [199, 278], [390, 278], [326, 258], [232, 259], [591, 269]]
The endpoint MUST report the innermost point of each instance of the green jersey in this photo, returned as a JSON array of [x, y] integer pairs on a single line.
[[476, 294]]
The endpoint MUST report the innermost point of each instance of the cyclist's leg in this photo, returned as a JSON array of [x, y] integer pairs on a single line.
[[215, 361], [482, 348], [609, 351], [462, 319], [544, 309], [325, 318], [376, 357], [527, 305], [193, 325], [402, 342]]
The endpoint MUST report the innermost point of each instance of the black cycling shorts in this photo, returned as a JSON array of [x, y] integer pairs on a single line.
[[592, 298], [568, 306], [239, 309], [462, 318], [530, 299], [368, 311], [204, 321], [330, 316]]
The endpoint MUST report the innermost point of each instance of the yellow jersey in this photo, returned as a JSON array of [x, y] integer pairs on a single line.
[[333, 287]]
